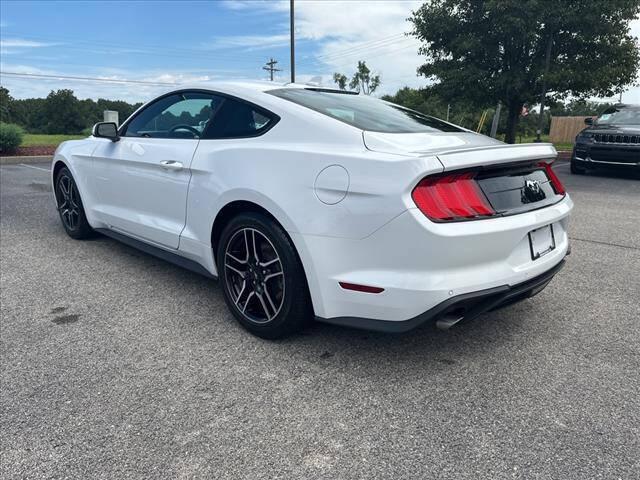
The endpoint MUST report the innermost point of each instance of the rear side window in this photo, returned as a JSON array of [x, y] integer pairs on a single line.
[[237, 119], [364, 112]]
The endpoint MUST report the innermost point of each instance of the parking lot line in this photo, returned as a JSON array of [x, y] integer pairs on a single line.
[[35, 168]]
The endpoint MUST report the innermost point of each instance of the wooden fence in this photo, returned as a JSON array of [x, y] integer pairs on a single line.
[[565, 129]]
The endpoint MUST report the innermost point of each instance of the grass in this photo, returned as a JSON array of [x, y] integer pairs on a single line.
[[37, 139], [545, 138]]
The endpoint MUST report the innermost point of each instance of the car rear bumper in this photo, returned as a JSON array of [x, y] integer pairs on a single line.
[[420, 264], [463, 307]]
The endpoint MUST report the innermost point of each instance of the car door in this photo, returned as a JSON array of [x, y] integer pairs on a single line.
[[142, 180]]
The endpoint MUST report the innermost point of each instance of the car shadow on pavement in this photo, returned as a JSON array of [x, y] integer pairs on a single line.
[[325, 344]]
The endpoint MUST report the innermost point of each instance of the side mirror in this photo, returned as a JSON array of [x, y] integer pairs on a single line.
[[106, 130], [588, 121]]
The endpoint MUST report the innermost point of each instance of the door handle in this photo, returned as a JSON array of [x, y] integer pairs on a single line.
[[171, 165]]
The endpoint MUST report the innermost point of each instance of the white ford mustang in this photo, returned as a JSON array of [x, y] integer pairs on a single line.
[[315, 203]]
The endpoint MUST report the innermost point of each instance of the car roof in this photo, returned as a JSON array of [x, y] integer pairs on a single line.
[[247, 88]]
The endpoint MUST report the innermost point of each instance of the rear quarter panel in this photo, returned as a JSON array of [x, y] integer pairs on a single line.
[[278, 171]]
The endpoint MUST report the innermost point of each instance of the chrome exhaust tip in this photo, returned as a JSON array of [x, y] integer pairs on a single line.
[[447, 321]]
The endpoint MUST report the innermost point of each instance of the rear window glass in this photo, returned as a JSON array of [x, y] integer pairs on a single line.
[[364, 112]]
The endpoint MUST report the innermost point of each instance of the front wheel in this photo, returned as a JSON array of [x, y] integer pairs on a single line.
[[262, 277], [70, 207]]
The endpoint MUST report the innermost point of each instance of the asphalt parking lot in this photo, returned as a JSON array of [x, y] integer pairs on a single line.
[[115, 364]]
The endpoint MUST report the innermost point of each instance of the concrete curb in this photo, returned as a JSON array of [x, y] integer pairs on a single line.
[[17, 160]]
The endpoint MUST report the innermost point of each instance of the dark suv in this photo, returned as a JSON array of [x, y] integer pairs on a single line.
[[612, 140]]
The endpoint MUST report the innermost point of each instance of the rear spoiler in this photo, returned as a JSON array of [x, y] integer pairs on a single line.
[[496, 155]]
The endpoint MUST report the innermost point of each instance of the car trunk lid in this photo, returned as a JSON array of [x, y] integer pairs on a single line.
[[458, 150], [513, 178]]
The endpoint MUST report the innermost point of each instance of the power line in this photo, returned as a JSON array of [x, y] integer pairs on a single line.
[[378, 50], [271, 67], [366, 45], [89, 79]]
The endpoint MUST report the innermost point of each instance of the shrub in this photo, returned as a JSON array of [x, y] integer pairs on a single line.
[[10, 137]]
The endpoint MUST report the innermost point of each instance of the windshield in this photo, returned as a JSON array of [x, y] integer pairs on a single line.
[[619, 116], [364, 112]]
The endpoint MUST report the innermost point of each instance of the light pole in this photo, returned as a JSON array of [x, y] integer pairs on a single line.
[[293, 44], [547, 61]]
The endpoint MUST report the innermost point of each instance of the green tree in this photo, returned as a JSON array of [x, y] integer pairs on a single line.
[[60, 112], [6, 101], [495, 50], [430, 102], [64, 113], [340, 80], [578, 107], [361, 81]]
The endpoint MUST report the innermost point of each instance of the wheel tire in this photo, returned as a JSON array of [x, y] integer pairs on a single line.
[[576, 169], [70, 208], [267, 303]]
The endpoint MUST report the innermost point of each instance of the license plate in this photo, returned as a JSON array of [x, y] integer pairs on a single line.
[[541, 241]]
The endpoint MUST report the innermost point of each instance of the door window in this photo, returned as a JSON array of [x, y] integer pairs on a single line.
[[181, 115]]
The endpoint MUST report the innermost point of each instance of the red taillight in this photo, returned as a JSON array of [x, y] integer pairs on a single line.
[[553, 178], [451, 197], [361, 288]]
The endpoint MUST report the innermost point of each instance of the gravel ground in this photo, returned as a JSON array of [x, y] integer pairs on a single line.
[[115, 364]]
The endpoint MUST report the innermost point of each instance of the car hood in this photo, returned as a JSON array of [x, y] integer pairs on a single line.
[[621, 129], [457, 150]]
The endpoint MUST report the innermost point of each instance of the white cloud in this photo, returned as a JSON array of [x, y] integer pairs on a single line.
[[250, 42], [256, 5], [10, 46], [18, 42]]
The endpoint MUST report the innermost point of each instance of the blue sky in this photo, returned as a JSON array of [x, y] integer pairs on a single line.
[[163, 43], [144, 35], [195, 41]]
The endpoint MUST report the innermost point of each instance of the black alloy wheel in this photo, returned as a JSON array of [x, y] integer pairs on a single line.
[[262, 277], [70, 207]]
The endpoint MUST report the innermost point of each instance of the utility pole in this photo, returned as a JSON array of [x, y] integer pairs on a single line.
[[448, 110], [496, 120], [544, 87], [271, 67], [293, 44]]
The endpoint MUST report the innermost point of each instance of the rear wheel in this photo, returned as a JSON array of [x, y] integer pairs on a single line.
[[262, 278], [70, 207]]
